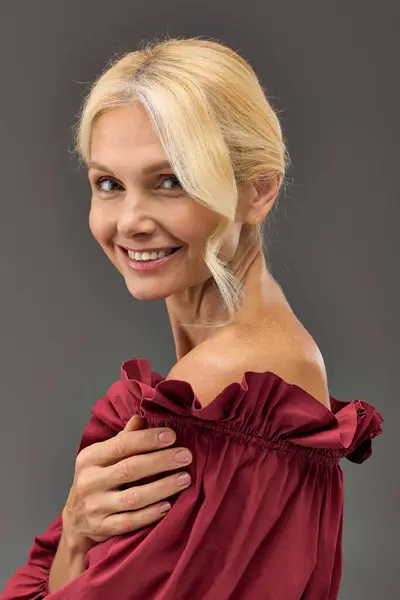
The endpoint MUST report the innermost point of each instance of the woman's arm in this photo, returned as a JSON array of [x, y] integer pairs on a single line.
[[52, 563], [68, 563], [57, 557]]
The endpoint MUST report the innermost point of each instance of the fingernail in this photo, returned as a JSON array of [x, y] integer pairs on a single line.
[[166, 437], [164, 507], [183, 456], [183, 480]]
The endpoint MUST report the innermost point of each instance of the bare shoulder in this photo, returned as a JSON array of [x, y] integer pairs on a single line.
[[285, 348], [209, 368]]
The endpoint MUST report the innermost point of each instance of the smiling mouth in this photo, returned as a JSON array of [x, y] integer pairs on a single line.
[[149, 256]]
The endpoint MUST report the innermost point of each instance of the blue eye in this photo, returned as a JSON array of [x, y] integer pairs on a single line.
[[170, 178], [102, 180]]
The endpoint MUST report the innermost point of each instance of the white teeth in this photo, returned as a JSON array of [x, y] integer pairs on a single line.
[[149, 255]]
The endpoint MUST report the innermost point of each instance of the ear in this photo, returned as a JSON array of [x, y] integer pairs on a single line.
[[261, 199]]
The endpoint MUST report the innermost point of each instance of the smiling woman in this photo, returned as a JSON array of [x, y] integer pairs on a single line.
[[133, 209], [186, 159]]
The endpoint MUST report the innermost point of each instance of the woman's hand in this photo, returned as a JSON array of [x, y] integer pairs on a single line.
[[97, 509]]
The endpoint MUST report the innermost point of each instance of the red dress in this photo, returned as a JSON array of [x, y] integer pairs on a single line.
[[262, 519]]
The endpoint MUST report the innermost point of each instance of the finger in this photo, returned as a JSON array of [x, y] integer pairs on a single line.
[[140, 496], [144, 465], [134, 424], [131, 521], [126, 444]]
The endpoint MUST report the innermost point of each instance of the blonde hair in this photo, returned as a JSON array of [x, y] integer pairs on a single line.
[[215, 123]]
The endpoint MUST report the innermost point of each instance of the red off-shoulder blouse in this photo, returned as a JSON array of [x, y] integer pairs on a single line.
[[262, 519]]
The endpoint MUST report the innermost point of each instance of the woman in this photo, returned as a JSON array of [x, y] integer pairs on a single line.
[[260, 516]]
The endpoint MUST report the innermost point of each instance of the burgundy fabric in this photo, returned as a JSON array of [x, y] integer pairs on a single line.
[[262, 519]]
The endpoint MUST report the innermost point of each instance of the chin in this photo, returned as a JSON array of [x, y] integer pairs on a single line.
[[146, 294]]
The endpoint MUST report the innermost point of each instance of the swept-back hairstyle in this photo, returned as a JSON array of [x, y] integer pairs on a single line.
[[215, 123]]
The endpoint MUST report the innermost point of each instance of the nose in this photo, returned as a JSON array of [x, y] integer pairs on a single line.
[[135, 218]]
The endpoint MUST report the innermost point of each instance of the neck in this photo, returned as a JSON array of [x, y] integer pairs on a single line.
[[203, 303]]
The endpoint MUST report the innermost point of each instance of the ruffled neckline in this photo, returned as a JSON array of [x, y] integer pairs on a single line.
[[153, 387], [262, 406]]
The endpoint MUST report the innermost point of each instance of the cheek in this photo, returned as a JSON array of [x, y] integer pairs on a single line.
[[100, 227], [200, 224], [198, 227]]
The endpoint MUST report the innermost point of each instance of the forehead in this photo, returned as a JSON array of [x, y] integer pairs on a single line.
[[124, 129]]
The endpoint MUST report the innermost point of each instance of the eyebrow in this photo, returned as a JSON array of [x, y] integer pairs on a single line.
[[146, 170]]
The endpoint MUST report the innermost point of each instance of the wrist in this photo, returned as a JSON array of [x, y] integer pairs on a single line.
[[75, 547], [68, 563]]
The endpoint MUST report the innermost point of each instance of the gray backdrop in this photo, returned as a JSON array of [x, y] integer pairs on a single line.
[[67, 321]]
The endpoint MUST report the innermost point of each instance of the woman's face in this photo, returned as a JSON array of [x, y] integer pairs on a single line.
[[139, 206]]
